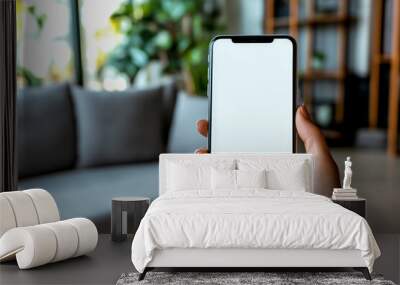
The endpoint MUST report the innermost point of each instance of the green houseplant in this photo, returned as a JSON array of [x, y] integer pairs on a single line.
[[174, 32]]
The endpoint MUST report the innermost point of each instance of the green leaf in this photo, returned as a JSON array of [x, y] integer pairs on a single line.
[[32, 10], [41, 20], [29, 77], [197, 27], [183, 44], [138, 56], [175, 8], [163, 40], [132, 70], [124, 10]]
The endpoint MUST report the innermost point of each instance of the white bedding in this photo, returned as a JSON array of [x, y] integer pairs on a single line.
[[250, 218]]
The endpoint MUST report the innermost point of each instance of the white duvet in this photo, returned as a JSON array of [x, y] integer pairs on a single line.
[[250, 219]]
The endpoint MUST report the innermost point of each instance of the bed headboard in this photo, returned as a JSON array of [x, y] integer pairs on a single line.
[[271, 158]]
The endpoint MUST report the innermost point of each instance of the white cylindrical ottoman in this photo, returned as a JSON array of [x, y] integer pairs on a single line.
[[40, 244]]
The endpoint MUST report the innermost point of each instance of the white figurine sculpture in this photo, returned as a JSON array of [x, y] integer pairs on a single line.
[[347, 192], [348, 173]]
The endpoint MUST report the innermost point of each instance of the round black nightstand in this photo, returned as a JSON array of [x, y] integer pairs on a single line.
[[127, 212], [357, 205]]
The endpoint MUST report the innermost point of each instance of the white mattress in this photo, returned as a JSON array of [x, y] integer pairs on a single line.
[[251, 219]]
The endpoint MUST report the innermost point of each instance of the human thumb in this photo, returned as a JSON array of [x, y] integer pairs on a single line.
[[309, 133], [326, 171]]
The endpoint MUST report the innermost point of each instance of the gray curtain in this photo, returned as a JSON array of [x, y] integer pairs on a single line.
[[8, 172]]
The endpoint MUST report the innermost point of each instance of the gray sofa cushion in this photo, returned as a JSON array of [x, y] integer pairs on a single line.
[[45, 130], [118, 127], [184, 137], [170, 91], [88, 192]]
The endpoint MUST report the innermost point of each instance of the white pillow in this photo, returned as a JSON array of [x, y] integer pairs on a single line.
[[251, 178], [223, 179], [184, 175], [293, 178], [282, 174], [237, 179]]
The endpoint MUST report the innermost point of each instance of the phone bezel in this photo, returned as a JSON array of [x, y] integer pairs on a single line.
[[252, 39]]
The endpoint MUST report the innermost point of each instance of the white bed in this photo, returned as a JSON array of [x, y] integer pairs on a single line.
[[196, 222]]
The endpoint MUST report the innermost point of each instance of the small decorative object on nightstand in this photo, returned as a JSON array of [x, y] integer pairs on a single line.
[[127, 212], [347, 196], [347, 192], [357, 205]]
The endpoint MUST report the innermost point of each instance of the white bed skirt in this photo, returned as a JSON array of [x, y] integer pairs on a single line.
[[190, 257]]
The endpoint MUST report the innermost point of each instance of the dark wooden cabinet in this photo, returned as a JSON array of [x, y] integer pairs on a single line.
[[358, 206]]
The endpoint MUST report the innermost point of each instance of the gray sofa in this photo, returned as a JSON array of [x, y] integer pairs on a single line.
[[51, 154]]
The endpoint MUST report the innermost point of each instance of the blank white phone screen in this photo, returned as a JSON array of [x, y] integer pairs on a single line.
[[252, 96]]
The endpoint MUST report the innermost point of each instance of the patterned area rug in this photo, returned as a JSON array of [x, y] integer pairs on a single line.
[[225, 278]]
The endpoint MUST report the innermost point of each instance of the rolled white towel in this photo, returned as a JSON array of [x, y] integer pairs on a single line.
[[40, 244]]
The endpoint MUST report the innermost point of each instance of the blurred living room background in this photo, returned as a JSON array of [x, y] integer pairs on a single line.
[[106, 86]]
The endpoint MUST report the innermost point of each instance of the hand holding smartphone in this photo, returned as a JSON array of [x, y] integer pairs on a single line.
[[252, 91]]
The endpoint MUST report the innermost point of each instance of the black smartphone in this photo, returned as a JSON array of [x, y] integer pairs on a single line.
[[252, 94]]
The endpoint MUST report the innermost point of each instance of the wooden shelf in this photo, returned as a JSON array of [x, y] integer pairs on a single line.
[[321, 75], [378, 57], [332, 134], [314, 21], [340, 20], [385, 58]]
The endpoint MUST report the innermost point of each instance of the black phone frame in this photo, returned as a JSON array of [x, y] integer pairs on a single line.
[[252, 39]]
